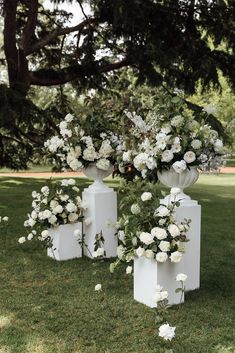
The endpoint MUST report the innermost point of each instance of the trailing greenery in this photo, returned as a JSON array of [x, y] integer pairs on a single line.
[[51, 307]]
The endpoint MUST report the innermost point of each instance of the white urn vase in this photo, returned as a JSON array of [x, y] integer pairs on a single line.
[[181, 180], [96, 174]]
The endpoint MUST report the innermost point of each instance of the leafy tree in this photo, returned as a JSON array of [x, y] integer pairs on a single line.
[[163, 41]]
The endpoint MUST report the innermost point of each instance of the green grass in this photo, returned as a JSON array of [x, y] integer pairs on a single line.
[[32, 169], [51, 307]]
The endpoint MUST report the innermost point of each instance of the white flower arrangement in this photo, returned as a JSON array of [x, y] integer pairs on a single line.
[[56, 204], [75, 150], [176, 139], [153, 232]]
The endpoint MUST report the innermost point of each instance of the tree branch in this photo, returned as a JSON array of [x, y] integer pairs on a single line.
[[30, 24], [41, 43], [71, 73]]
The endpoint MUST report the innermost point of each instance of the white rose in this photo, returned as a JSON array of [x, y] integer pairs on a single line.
[[31, 222], [103, 164], [173, 230], [159, 233], [167, 332], [87, 221], [135, 209], [45, 190], [71, 207], [164, 245], [53, 204], [189, 157], [196, 144], [44, 234], [72, 217], [146, 196], [181, 277], [52, 219], [162, 211], [167, 156], [161, 257], [46, 214], [21, 240], [140, 251], [5, 219], [129, 270], [149, 254], [179, 166], [146, 238], [68, 118], [98, 287], [58, 209], [176, 256], [64, 197], [30, 236]]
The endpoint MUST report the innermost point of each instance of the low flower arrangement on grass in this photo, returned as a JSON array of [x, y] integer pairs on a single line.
[[56, 204], [170, 137], [150, 229], [75, 149]]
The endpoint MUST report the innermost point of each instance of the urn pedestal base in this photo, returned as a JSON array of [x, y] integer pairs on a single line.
[[65, 245], [148, 273]]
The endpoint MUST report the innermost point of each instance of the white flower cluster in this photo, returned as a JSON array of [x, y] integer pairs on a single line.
[[76, 150], [162, 238], [179, 143], [51, 207]]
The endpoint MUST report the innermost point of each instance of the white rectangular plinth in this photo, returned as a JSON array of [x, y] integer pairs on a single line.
[[65, 245], [148, 273], [192, 253], [102, 209]]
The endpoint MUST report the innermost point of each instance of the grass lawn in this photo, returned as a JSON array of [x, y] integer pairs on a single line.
[[51, 307]]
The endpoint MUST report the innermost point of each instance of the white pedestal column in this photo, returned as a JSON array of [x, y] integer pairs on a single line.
[[148, 273], [102, 209], [65, 245], [191, 210]]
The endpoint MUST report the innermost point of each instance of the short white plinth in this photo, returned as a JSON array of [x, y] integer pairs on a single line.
[[148, 273], [190, 209], [102, 210], [65, 245]]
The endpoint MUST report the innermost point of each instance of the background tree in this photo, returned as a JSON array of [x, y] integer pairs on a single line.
[[164, 42]]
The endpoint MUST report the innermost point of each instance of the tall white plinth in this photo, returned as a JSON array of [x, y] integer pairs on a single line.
[[102, 209], [65, 245], [148, 273], [190, 209]]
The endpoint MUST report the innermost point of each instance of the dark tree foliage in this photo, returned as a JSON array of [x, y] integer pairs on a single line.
[[175, 42]]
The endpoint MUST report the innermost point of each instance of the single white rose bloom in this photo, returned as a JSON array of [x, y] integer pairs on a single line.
[[176, 256], [71, 207], [57, 209], [45, 190], [162, 211], [149, 254], [129, 270], [146, 196], [52, 219], [44, 234], [181, 277], [159, 233], [189, 157], [167, 156], [173, 230], [30, 236], [98, 287], [164, 245], [179, 166], [161, 257], [140, 251], [46, 214], [167, 332], [146, 238], [21, 240], [135, 209]]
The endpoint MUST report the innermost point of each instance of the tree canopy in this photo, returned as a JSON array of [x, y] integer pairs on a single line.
[[170, 42]]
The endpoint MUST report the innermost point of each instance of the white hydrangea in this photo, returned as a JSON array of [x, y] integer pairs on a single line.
[[103, 164], [196, 144]]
